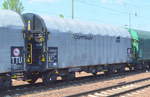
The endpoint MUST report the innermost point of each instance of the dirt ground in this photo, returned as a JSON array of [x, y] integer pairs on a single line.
[[84, 87]]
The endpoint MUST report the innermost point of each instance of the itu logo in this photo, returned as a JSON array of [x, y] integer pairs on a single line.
[[17, 55], [16, 52]]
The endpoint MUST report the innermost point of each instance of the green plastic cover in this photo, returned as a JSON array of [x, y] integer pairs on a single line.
[[135, 42], [144, 45]]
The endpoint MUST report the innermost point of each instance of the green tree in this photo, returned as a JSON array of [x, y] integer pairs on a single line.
[[61, 16], [15, 5]]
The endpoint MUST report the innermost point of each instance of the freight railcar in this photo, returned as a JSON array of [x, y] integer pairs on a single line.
[[140, 48], [47, 47], [61, 47], [12, 46]]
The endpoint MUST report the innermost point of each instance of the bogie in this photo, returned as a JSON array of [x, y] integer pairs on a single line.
[[49, 78]]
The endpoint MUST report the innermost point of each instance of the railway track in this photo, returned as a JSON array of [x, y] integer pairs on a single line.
[[23, 89], [116, 90]]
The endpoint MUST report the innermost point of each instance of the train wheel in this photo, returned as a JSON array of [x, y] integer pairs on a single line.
[[33, 80], [148, 67], [108, 72], [121, 70], [49, 78], [69, 76], [95, 73], [5, 82], [8, 83]]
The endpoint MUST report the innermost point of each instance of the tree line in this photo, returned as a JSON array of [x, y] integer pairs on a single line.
[[17, 6]]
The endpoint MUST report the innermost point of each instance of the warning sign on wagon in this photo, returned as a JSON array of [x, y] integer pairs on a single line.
[[17, 55]]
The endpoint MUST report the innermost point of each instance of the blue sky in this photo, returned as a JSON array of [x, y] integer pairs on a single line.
[[115, 12]]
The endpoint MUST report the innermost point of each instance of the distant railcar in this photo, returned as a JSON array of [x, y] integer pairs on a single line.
[[141, 48]]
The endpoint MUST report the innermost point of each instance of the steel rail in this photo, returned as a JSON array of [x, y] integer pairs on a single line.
[[129, 91], [108, 88]]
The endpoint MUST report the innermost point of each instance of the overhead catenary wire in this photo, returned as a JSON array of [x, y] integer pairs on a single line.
[[99, 6], [111, 10]]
